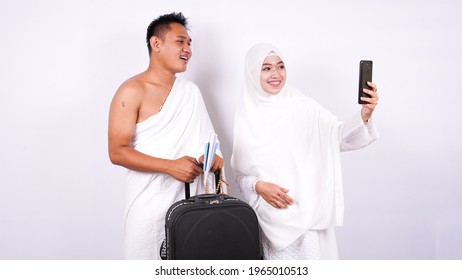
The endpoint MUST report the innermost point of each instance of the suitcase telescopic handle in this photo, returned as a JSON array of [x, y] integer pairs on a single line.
[[187, 192]]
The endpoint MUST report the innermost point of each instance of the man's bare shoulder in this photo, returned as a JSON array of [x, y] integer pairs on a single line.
[[133, 87], [130, 94]]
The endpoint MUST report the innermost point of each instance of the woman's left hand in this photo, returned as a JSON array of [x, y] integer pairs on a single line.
[[368, 109]]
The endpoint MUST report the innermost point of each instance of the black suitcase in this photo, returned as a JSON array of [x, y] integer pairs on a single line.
[[211, 227]]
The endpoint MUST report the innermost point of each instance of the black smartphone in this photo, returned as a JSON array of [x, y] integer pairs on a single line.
[[365, 75]]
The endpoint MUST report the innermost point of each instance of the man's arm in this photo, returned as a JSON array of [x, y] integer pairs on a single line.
[[123, 115]]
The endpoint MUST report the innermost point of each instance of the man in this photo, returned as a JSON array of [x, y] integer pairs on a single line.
[[157, 124]]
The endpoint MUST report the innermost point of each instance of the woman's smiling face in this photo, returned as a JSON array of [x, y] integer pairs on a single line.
[[273, 74]]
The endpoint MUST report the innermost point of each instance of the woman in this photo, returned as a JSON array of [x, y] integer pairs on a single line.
[[286, 158]]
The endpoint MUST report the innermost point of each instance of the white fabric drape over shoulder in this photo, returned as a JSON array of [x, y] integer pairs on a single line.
[[290, 140], [179, 129]]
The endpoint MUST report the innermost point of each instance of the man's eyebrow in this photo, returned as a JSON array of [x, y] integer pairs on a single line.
[[184, 37]]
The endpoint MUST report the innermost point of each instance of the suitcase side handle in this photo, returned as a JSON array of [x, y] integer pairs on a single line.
[[187, 191]]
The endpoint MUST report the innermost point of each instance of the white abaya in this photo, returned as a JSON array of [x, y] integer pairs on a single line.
[[290, 140]]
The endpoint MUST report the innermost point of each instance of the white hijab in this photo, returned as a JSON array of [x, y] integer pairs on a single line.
[[288, 139]]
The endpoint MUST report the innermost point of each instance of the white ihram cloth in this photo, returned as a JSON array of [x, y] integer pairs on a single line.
[[290, 140], [179, 129]]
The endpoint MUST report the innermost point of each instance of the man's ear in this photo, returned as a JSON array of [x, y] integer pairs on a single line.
[[155, 43]]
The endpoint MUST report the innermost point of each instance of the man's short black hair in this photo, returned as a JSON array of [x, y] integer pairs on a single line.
[[161, 25]]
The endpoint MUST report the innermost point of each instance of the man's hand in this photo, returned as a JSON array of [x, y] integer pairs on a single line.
[[184, 169], [275, 195], [217, 163]]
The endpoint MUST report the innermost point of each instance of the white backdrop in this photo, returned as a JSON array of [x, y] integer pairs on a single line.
[[62, 61]]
